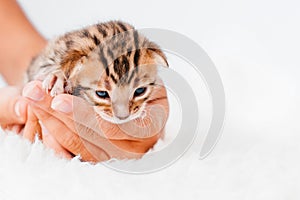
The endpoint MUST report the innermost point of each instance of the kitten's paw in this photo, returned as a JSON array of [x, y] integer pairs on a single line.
[[54, 83]]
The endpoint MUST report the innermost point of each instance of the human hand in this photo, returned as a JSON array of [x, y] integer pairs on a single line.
[[13, 108], [77, 131]]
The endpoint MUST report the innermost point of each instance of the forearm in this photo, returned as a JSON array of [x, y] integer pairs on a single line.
[[20, 42]]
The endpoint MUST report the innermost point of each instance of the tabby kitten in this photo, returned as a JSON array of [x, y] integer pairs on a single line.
[[110, 65]]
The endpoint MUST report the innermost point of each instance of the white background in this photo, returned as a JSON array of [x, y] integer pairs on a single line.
[[255, 47]]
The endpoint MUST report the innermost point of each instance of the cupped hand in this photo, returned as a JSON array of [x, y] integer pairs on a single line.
[[71, 127]]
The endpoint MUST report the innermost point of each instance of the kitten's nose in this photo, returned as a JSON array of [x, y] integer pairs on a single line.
[[122, 117], [121, 111]]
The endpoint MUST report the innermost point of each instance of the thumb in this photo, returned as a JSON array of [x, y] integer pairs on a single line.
[[12, 106]]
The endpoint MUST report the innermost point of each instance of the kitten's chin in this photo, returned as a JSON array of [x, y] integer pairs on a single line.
[[115, 120]]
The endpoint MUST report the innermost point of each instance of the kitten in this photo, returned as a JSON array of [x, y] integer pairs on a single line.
[[110, 65]]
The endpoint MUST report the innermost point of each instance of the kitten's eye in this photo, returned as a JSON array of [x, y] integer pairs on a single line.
[[102, 94], [139, 91]]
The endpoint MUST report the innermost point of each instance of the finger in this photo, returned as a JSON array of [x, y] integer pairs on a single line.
[[37, 97], [17, 128], [77, 114], [89, 145], [12, 106], [34, 93], [98, 153], [64, 136], [5, 127], [50, 142], [32, 127]]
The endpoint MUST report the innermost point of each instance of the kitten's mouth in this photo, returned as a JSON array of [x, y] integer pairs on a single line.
[[116, 120]]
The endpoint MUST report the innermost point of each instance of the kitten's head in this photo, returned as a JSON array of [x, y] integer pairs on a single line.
[[119, 88]]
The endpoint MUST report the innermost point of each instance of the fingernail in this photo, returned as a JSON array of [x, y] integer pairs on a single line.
[[61, 105], [34, 92], [44, 130], [17, 109], [20, 108]]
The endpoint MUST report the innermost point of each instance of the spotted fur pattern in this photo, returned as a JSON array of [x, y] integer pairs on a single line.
[[111, 65]]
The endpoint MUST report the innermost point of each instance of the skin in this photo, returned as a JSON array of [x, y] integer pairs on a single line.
[[19, 43], [26, 108]]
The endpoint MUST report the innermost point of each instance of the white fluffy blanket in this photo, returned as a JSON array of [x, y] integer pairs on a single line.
[[243, 166]]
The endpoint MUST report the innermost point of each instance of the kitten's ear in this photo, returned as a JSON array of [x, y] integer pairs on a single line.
[[77, 67], [162, 61], [160, 58]]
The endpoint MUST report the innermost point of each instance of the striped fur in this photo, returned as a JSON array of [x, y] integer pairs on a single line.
[[109, 57]]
